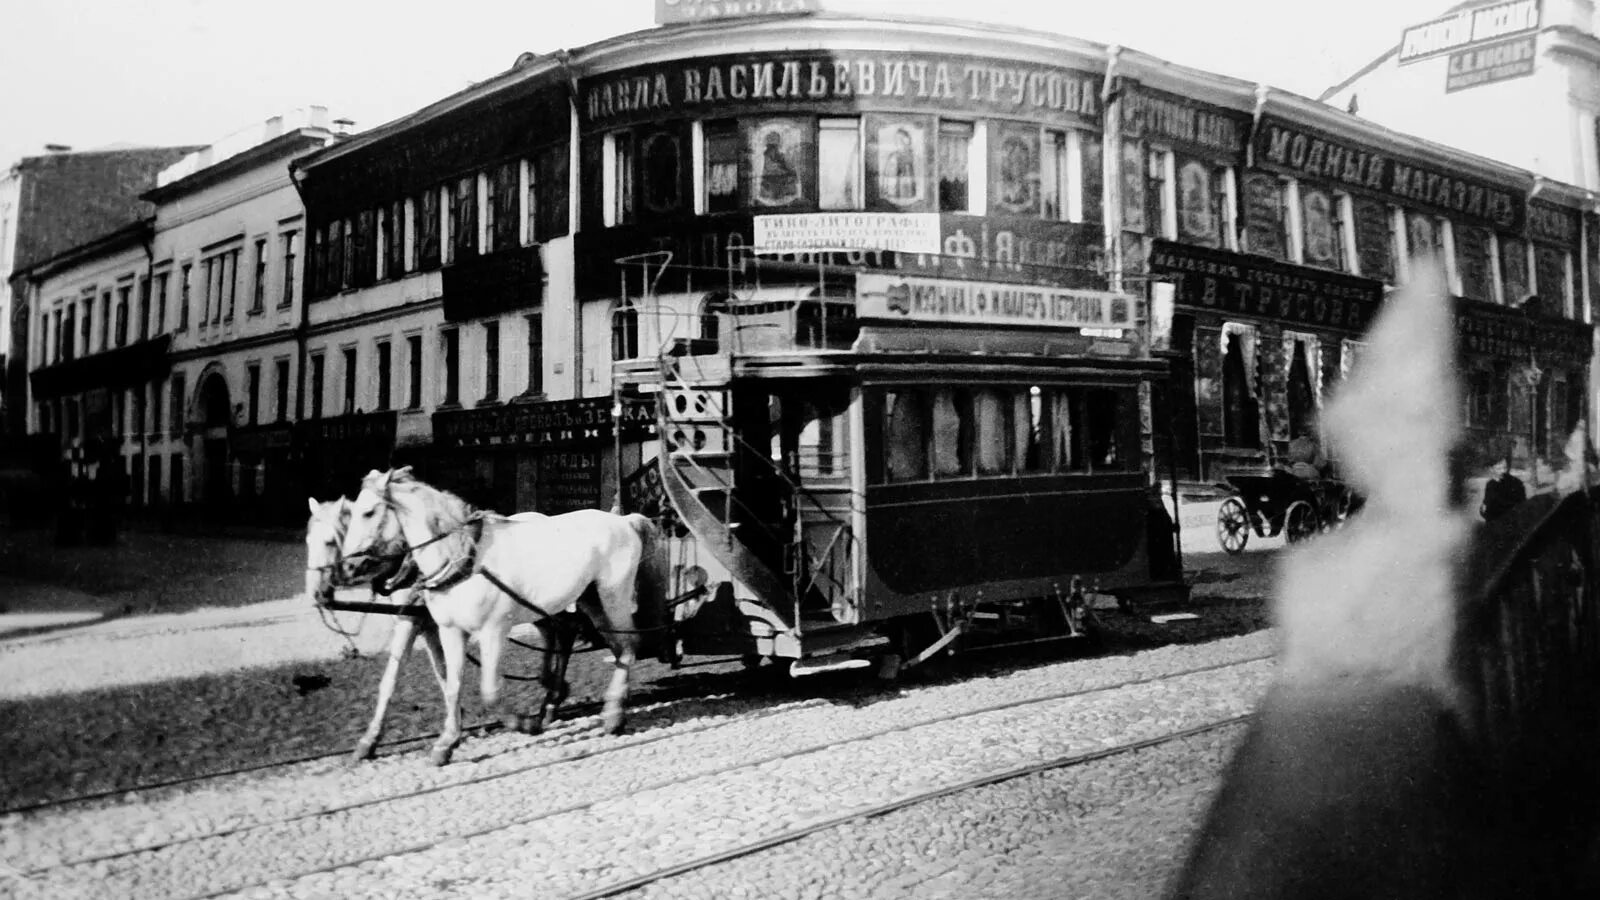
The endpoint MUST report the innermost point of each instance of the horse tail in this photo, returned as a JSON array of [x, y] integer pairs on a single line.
[[650, 583]]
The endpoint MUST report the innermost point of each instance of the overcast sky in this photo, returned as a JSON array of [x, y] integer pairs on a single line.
[[92, 73]]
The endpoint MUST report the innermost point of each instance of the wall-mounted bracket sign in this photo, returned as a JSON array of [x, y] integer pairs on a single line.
[[669, 12], [915, 298], [1468, 28], [845, 231], [1500, 61]]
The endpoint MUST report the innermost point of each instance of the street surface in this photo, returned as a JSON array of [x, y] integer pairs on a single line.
[[98, 698]]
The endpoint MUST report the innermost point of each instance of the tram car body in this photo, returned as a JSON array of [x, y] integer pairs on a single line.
[[844, 484]]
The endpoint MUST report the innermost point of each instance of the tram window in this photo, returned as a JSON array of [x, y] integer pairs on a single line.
[[1030, 423], [1107, 414], [1065, 406], [905, 435], [952, 433], [991, 414]]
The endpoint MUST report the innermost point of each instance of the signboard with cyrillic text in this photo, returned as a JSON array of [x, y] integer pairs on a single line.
[[671, 11], [1500, 61], [909, 297], [823, 232], [1468, 28]]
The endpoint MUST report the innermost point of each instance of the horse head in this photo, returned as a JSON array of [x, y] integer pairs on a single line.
[[324, 533], [373, 535]]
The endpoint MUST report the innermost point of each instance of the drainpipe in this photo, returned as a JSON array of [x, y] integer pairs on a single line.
[[574, 161], [302, 327], [1111, 170], [144, 326]]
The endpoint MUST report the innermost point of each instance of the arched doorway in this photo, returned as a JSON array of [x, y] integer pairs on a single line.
[[216, 414]]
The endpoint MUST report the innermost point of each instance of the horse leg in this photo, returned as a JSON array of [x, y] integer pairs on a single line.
[[557, 652], [614, 607], [491, 643], [405, 633], [454, 643]]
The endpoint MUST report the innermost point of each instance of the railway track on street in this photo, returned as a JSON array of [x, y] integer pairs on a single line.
[[370, 803]]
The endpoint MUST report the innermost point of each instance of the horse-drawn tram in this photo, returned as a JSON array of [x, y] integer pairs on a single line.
[[861, 466]]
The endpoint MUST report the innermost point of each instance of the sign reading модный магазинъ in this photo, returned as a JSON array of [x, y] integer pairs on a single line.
[[669, 12], [1468, 28], [910, 297], [822, 232]]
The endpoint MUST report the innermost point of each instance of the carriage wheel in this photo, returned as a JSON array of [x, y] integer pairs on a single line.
[[1300, 522], [1233, 525]]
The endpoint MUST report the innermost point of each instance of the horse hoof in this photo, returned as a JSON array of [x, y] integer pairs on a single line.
[[363, 752], [612, 723], [530, 724], [440, 756]]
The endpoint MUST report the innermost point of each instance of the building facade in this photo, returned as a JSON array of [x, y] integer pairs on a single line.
[[169, 350], [476, 273]]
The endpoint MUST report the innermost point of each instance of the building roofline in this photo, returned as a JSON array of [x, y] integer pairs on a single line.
[[134, 233], [282, 145]]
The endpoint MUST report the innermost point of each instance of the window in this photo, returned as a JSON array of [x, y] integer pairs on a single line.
[[155, 408], [349, 380], [501, 207], [1375, 239], [83, 328], [992, 432], [1550, 279], [123, 293], [336, 280], [1201, 194], [427, 229], [1055, 176], [144, 309], [1515, 281], [955, 167], [1474, 260], [106, 336], [554, 167], [183, 298], [318, 363], [1265, 215], [414, 366], [177, 407], [535, 353], [160, 326], [392, 236], [839, 164], [287, 298], [1092, 166], [491, 360], [530, 202], [450, 339], [1161, 219], [617, 174], [137, 411], [1241, 412], [175, 478], [905, 435], [281, 386], [349, 252], [952, 433], [253, 393], [258, 297], [722, 167], [384, 376], [361, 258], [464, 219]]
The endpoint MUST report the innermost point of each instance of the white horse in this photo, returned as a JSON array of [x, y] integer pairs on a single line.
[[477, 570]]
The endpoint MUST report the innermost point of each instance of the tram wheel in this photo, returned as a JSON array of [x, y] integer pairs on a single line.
[[1233, 525], [1300, 522]]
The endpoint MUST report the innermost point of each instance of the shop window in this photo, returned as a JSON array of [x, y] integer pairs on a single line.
[[1266, 215], [905, 436], [1551, 280], [1204, 215], [955, 167], [898, 163], [1375, 239], [1514, 278], [1302, 385], [1241, 413], [779, 150], [535, 353], [952, 433], [662, 157], [429, 242], [838, 165], [1014, 169], [1322, 227], [721, 183], [1480, 398], [463, 219]]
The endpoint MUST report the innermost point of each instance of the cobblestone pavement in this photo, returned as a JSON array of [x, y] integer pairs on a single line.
[[591, 818]]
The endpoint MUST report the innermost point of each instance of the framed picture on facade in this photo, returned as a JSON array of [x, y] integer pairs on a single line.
[[1473, 262], [1091, 147], [1198, 203], [780, 167], [1133, 186], [1014, 168], [1375, 239], [1263, 215], [1322, 245], [1513, 269], [1422, 234], [662, 170], [899, 163]]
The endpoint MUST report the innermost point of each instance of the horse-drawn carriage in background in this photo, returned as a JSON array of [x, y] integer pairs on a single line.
[[1281, 502]]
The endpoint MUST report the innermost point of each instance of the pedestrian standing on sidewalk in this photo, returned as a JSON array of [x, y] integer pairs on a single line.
[[1502, 492]]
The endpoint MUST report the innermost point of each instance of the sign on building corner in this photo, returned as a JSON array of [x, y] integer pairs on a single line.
[[669, 12]]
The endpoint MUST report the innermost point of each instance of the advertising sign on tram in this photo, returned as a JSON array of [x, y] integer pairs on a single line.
[[910, 297]]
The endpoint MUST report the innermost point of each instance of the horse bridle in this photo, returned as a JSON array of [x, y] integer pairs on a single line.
[[447, 574]]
